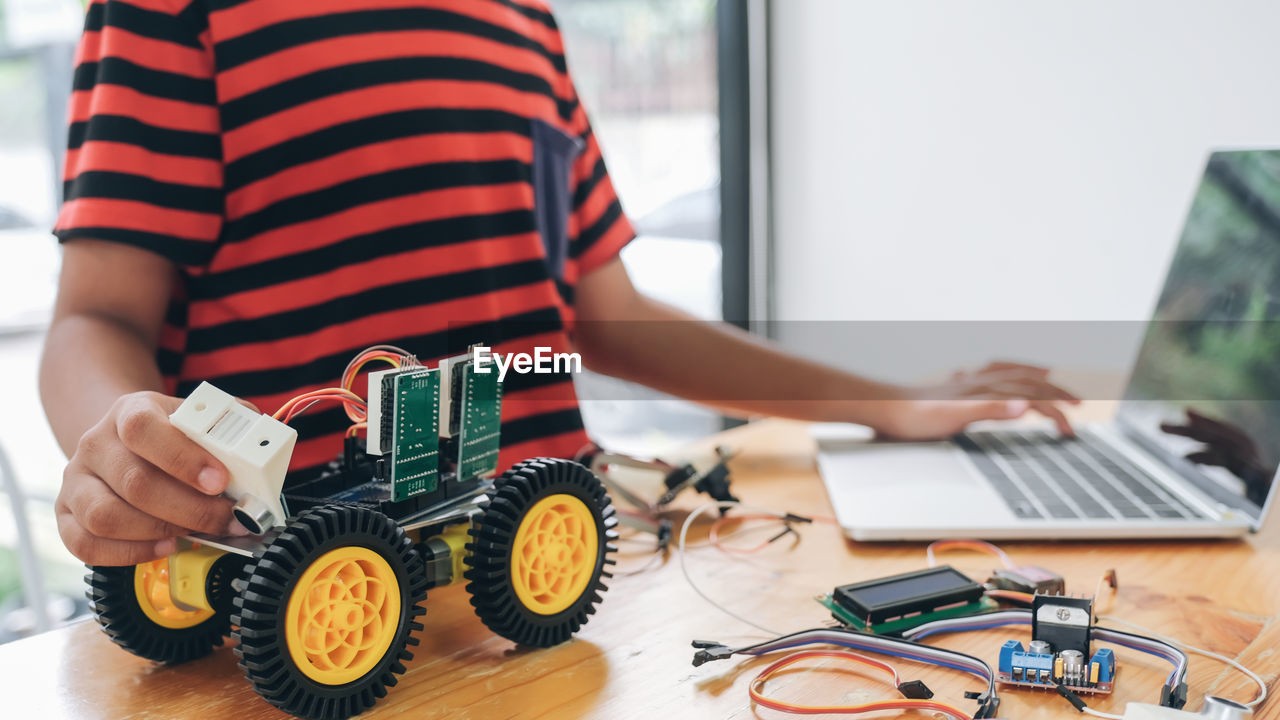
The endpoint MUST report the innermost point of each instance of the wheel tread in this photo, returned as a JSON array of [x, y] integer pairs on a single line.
[[493, 533], [264, 656], [114, 603]]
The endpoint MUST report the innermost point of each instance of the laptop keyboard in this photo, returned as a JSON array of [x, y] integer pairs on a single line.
[[1040, 475]]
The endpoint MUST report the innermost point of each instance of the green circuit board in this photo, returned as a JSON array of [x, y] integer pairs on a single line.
[[415, 443], [480, 428]]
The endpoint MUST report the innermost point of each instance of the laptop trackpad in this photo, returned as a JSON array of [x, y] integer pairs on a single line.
[[906, 484]]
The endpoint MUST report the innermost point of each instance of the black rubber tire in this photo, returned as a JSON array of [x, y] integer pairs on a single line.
[[259, 616], [493, 532], [114, 603], [220, 585]]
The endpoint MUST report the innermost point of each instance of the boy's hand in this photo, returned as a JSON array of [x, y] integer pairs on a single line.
[[999, 391], [135, 483]]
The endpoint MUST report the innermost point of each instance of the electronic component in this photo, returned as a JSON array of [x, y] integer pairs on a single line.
[[255, 449], [1061, 621], [1069, 666], [381, 392], [415, 444], [713, 481], [431, 422], [1029, 668], [897, 625], [915, 690], [873, 602], [1059, 652], [451, 395], [480, 426], [1028, 579]]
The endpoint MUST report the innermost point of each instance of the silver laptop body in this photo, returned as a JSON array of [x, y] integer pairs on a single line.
[[1193, 447]]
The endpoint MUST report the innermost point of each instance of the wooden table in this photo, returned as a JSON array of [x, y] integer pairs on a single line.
[[633, 659]]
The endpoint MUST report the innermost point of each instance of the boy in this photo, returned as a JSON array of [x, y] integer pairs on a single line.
[[257, 189]]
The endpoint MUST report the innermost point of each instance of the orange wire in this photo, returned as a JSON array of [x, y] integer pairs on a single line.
[[1013, 595], [349, 377], [981, 546], [298, 405], [353, 371], [757, 684]]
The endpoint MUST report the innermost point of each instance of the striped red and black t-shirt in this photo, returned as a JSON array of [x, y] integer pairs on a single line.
[[333, 174]]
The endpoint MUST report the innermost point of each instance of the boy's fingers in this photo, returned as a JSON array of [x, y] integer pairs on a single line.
[[143, 426], [104, 514], [1059, 418], [1001, 366], [970, 411], [1030, 388], [1022, 380], [95, 550], [155, 493], [1043, 389]]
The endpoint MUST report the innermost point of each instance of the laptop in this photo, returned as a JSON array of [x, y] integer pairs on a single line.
[[1193, 446]]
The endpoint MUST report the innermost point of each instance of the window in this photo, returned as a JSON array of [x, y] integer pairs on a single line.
[[646, 71], [36, 44]]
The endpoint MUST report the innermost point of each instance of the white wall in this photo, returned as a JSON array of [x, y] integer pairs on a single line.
[[1001, 159]]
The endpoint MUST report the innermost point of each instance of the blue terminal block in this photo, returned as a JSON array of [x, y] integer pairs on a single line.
[[1105, 660], [1018, 665], [1033, 667], [1006, 656]]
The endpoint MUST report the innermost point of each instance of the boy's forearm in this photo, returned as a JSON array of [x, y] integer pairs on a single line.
[[89, 362], [714, 363]]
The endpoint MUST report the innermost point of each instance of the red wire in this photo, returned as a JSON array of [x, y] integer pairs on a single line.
[[894, 704]]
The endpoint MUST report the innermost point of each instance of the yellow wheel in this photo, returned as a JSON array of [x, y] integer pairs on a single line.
[[343, 615], [134, 608], [541, 543], [151, 585], [327, 613], [554, 554]]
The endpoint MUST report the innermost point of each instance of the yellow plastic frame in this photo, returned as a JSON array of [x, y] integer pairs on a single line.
[[457, 537], [188, 573], [151, 586]]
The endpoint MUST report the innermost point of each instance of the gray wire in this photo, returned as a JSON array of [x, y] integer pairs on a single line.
[[1156, 646], [835, 637], [890, 645], [684, 568], [1262, 686], [964, 621], [1160, 646]]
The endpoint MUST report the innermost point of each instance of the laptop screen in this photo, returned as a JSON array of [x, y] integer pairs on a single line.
[[1205, 390]]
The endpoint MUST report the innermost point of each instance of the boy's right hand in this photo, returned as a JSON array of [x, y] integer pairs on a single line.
[[135, 483]]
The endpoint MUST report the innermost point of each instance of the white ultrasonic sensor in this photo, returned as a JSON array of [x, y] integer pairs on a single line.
[[255, 448]]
